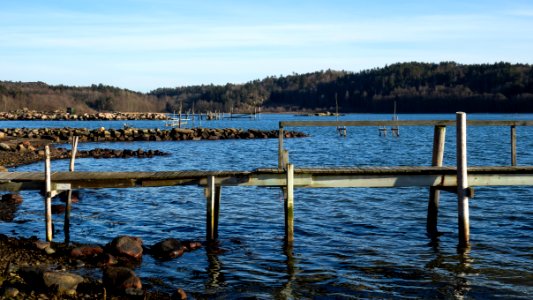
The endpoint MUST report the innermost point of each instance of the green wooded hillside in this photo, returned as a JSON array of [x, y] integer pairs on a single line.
[[416, 87]]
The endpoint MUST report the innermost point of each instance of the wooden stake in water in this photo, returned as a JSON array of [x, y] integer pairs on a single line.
[[66, 225], [280, 149], [48, 194], [513, 145], [462, 182], [213, 207], [289, 205], [434, 194]]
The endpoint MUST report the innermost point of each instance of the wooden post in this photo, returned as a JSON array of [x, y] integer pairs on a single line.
[[66, 224], [289, 205], [48, 194], [73, 152], [280, 148], [213, 207], [434, 194], [462, 182], [513, 145], [285, 158]]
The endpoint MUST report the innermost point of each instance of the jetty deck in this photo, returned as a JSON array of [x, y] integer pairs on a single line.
[[337, 177]]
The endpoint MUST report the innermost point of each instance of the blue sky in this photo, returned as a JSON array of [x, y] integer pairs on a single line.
[[145, 44]]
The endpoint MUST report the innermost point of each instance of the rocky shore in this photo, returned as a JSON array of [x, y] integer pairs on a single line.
[[34, 269], [59, 115], [59, 135]]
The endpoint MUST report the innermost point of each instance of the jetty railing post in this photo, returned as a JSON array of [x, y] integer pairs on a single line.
[[289, 205], [280, 148], [513, 145], [462, 182], [66, 225], [213, 208], [434, 194], [48, 194]]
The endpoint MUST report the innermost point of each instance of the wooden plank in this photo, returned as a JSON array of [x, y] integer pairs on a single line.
[[303, 177]]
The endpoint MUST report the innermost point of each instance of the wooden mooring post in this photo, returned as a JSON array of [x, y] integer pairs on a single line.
[[280, 148], [48, 195], [213, 193], [68, 208], [434, 194], [513, 145], [289, 205], [462, 182]]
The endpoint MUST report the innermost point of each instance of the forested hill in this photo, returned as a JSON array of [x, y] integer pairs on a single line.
[[415, 87]]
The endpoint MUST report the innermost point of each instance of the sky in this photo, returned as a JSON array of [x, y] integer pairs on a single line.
[[142, 45]]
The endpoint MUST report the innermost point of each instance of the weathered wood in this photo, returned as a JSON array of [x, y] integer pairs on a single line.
[[513, 145], [434, 194], [289, 205], [285, 158], [213, 207], [48, 195], [280, 148], [273, 177], [462, 182], [68, 208], [75, 140]]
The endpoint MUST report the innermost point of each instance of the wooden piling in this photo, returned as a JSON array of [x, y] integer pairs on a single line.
[[213, 208], [48, 194], [280, 148], [68, 208], [289, 205], [462, 182], [513, 145], [434, 194]]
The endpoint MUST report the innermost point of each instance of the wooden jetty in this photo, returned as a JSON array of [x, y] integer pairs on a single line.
[[459, 180]]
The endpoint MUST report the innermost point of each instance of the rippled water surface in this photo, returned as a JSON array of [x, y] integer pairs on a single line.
[[354, 242]]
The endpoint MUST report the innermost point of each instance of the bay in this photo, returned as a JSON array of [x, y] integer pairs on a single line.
[[356, 242]]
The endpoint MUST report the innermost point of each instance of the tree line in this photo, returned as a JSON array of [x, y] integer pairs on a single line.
[[416, 88]]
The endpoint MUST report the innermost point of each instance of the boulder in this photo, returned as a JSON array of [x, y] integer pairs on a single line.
[[12, 198], [5, 147], [128, 246], [120, 279], [86, 251], [167, 249], [65, 283]]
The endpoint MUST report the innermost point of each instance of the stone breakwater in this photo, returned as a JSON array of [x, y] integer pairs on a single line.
[[59, 135], [61, 116]]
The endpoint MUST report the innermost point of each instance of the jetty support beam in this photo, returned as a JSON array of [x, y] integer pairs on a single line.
[[434, 194], [213, 194], [280, 148], [289, 205], [48, 195], [513, 145], [462, 182]]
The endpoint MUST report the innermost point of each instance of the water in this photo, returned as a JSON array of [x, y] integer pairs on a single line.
[[349, 243]]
